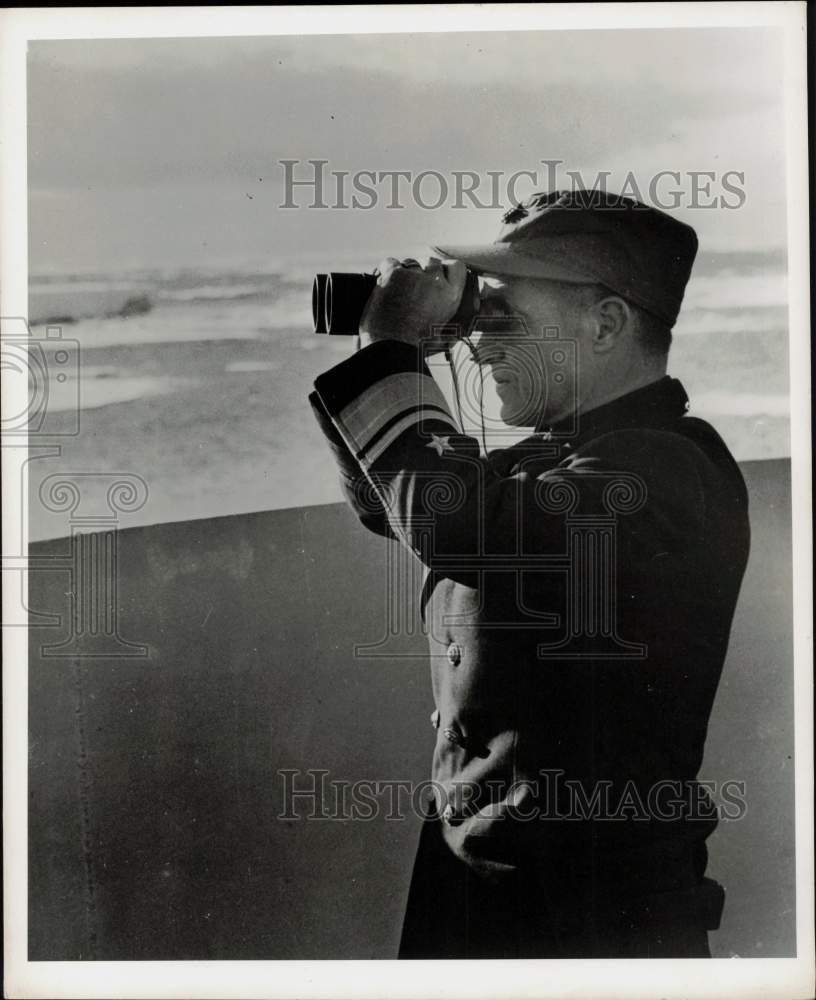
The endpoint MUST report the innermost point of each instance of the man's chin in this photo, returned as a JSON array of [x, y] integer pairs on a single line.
[[516, 416]]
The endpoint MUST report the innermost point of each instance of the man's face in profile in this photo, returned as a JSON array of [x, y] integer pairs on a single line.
[[532, 381]]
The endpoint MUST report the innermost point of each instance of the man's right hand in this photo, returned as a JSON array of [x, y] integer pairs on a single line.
[[411, 298]]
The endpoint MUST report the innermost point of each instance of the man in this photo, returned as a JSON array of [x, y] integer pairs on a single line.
[[580, 587]]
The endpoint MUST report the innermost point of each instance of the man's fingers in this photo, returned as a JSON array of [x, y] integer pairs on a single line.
[[385, 267], [412, 297], [453, 271]]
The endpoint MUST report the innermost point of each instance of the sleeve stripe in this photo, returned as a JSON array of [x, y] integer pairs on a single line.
[[426, 412], [365, 417], [397, 427]]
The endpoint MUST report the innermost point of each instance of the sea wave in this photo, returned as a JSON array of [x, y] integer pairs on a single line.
[[212, 304], [741, 404], [211, 293], [72, 306], [737, 291], [93, 393], [755, 319], [73, 299]]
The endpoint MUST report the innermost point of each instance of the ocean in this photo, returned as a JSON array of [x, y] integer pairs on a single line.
[[196, 380]]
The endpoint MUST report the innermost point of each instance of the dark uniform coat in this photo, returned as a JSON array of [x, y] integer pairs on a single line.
[[579, 594]]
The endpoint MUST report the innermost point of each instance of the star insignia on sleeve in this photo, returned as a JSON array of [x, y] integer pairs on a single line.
[[441, 444]]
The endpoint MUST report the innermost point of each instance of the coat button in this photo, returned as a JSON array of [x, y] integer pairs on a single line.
[[454, 654], [435, 718]]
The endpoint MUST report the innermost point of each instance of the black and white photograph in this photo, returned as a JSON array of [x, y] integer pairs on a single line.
[[407, 501]]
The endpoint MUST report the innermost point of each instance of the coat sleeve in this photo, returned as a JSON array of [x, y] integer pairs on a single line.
[[450, 505], [356, 487]]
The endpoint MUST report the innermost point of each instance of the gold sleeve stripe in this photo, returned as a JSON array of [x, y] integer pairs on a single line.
[[369, 413], [369, 456]]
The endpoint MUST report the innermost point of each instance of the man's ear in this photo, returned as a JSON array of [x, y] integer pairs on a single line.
[[612, 316]]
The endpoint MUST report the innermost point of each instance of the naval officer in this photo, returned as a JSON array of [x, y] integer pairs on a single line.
[[580, 585]]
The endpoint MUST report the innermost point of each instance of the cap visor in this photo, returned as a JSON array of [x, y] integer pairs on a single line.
[[504, 259]]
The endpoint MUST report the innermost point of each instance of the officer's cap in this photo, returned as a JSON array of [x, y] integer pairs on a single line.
[[639, 252]]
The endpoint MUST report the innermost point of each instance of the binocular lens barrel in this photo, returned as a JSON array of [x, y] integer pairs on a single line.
[[338, 301], [318, 303]]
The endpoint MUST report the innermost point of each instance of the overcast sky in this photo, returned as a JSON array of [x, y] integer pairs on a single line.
[[164, 152]]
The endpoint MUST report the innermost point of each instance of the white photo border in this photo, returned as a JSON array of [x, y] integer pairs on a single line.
[[524, 978]]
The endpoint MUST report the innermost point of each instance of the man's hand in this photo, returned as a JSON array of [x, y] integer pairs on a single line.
[[410, 298]]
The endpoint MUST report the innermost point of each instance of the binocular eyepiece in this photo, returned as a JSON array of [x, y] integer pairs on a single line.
[[338, 302]]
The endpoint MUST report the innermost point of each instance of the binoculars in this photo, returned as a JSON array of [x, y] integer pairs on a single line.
[[338, 302]]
